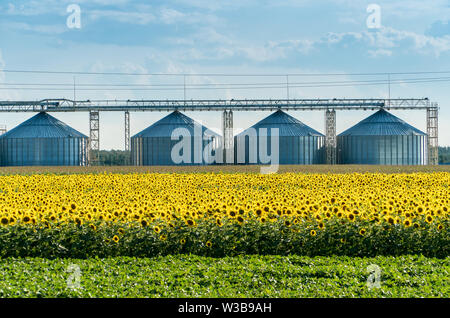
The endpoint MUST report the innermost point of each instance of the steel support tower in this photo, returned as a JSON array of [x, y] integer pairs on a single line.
[[432, 131], [127, 131], [94, 136], [227, 139], [330, 136]]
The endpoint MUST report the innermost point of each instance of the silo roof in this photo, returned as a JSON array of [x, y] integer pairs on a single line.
[[165, 126], [43, 125], [382, 123], [286, 124]]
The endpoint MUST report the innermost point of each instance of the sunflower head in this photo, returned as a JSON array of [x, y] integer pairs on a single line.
[[4, 221]]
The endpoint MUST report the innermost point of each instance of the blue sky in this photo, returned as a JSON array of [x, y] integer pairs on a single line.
[[243, 36]]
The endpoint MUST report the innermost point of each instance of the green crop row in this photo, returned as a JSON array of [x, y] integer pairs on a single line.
[[240, 276], [368, 239]]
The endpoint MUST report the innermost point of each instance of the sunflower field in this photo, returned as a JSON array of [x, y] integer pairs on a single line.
[[224, 214]]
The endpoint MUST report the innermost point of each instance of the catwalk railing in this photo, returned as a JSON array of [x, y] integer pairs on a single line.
[[65, 105]]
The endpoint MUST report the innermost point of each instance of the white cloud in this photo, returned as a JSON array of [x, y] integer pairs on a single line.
[[35, 7], [384, 42], [263, 54], [303, 45], [170, 16], [39, 28], [415, 9], [386, 39], [124, 67], [105, 2], [141, 18], [144, 15], [390, 37], [210, 35], [205, 35], [225, 48], [217, 5], [380, 52]]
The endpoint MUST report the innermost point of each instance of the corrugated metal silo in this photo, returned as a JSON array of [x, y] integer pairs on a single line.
[[154, 145], [383, 139], [43, 140], [298, 143]]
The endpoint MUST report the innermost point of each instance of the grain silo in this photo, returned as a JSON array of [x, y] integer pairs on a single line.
[[43, 140], [297, 142], [382, 139], [156, 144]]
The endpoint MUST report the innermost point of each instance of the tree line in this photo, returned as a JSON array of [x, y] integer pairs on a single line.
[[123, 158], [112, 157], [444, 155]]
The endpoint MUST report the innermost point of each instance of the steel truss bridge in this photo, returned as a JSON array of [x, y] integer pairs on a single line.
[[227, 107]]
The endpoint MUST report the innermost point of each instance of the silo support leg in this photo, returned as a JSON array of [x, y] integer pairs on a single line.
[[94, 140], [228, 142], [330, 136], [432, 131]]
